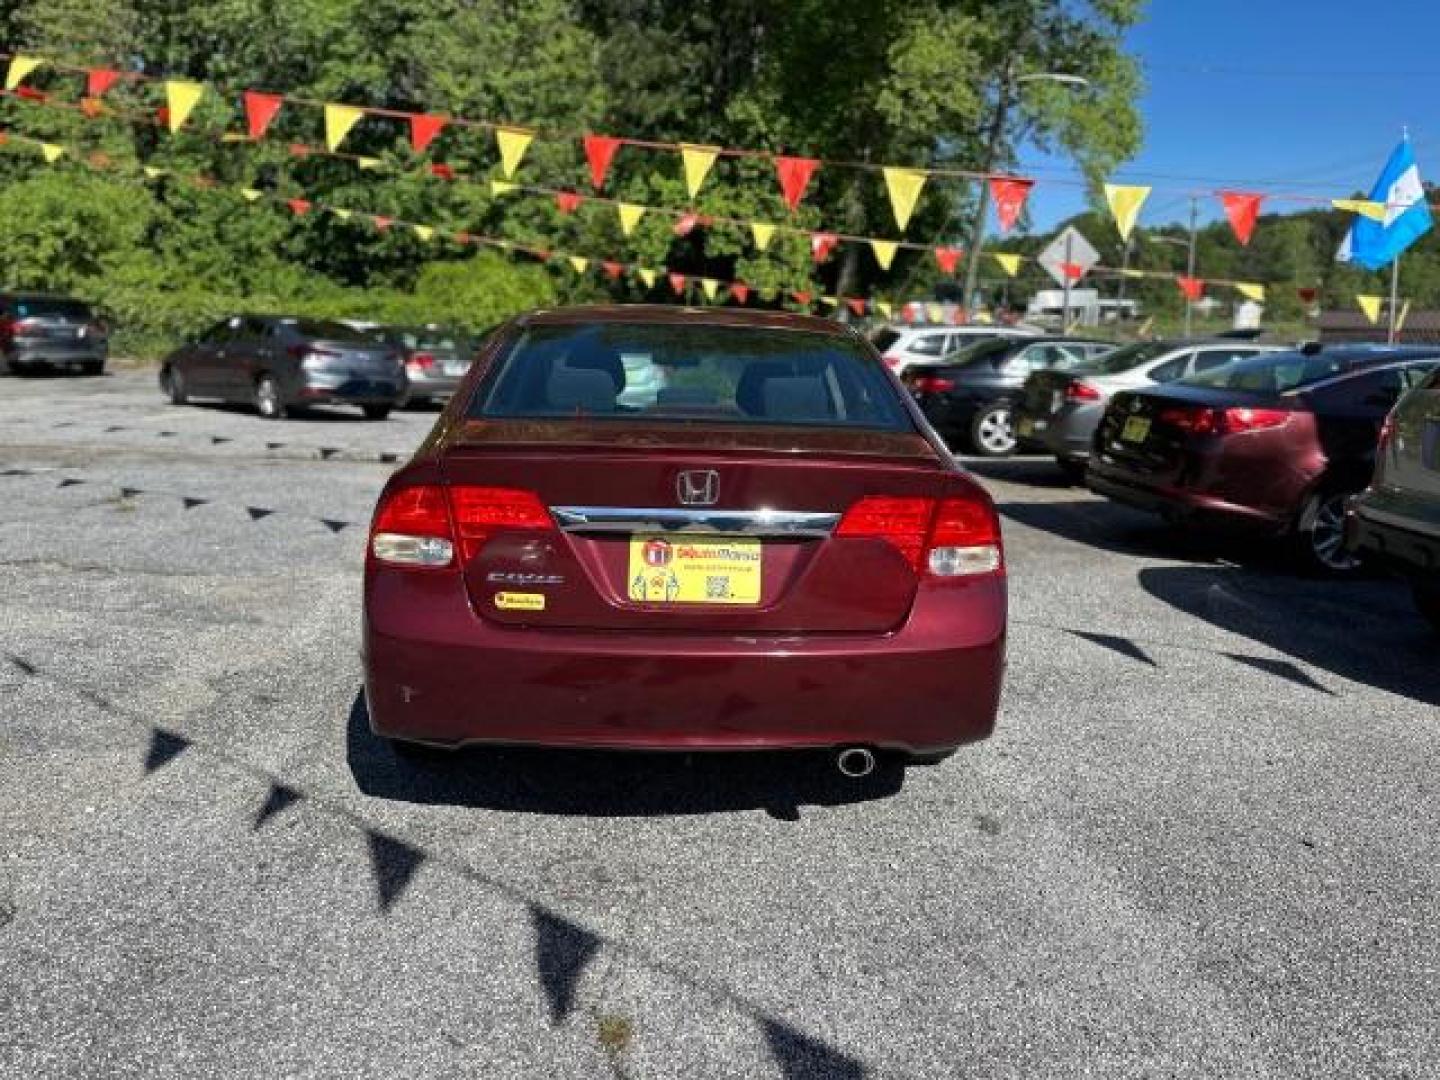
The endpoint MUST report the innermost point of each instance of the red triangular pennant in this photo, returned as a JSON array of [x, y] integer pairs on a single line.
[[686, 225], [381, 223], [91, 107], [298, 207], [613, 269], [794, 174], [442, 171], [1008, 193], [568, 201], [423, 129], [1242, 209], [162, 114], [801, 297], [857, 306], [260, 109], [740, 291], [1307, 295], [299, 149], [821, 245], [98, 80], [677, 282], [947, 258], [1192, 287], [599, 152]]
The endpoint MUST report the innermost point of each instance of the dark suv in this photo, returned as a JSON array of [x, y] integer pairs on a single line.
[[55, 332], [1276, 444], [278, 364], [1396, 520]]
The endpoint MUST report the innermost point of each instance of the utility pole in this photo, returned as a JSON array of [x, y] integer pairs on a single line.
[[1394, 299], [1190, 262], [982, 204]]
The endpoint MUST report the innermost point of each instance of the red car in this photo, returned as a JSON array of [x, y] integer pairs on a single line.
[[1274, 444], [660, 528]]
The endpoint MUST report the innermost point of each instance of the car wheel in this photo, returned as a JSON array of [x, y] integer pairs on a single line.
[[1321, 534], [268, 402], [1073, 469], [1427, 602], [992, 434], [376, 412], [173, 383]]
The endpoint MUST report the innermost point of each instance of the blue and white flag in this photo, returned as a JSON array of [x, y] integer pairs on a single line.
[[1375, 243]]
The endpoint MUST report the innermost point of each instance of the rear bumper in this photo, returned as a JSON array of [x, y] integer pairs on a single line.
[[1407, 551], [56, 357], [436, 673], [1066, 434], [433, 387], [1183, 503], [349, 392]]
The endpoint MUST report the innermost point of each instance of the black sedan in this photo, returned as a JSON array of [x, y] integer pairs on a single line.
[[969, 397], [279, 364]]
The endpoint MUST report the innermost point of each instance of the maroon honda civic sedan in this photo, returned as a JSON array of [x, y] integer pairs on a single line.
[[664, 528]]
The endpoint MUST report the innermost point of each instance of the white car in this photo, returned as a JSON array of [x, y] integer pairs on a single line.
[[901, 346]]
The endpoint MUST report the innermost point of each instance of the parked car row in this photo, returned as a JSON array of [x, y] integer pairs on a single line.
[[280, 365]]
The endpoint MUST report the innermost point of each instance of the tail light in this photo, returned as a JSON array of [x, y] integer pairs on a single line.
[[422, 361], [891, 361], [941, 537], [932, 384], [421, 526], [1077, 390], [1223, 421]]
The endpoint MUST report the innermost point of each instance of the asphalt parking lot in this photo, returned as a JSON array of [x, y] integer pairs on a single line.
[[1203, 842]]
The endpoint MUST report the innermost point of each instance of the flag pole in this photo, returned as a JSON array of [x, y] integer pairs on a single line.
[[1394, 298]]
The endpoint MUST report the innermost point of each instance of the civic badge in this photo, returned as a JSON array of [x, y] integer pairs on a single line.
[[698, 487]]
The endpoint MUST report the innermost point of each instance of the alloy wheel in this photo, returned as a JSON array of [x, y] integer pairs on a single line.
[[267, 399], [995, 433], [1327, 535]]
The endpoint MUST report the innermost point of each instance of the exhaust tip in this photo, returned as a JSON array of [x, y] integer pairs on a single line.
[[855, 762]]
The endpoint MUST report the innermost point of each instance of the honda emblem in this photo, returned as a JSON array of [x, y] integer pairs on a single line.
[[698, 487]]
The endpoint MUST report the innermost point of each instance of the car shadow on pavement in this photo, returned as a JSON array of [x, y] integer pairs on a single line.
[[323, 413], [1363, 630], [1111, 527], [1031, 470], [602, 783]]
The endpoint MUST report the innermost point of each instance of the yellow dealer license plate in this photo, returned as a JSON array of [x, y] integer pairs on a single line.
[[692, 570], [1135, 430]]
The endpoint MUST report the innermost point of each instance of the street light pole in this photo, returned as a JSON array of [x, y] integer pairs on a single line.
[[1190, 263], [1009, 81]]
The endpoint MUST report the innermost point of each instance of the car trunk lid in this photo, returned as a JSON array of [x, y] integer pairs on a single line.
[[691, 528]]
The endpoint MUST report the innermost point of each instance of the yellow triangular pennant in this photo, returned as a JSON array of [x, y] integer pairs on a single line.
[[1251, 291], [424, 232], [697, 161], [1125, 201], [1370, 305], [1009, 263], [20, 67], [830, 301], [52, 152], [250, 194], [342, 214], [502, 187], [579, 262], [934, 313], [883, 307], [181, 97], [339, 119], [1364, 207], [234, 137], [884, 252], [904, 187], [647, 276], [763, 234], [513, 143], [630, 215], [711, 287], [153, 172], [369, 162]]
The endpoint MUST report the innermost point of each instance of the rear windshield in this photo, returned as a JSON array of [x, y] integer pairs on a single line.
[[327, 330], [39, 307], [1127, 357], [1278, 372], [420, 339], [645, 372]]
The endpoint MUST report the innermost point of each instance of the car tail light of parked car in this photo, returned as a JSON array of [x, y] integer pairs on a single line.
[[1203, 421], [931, 384], [1079, 390]]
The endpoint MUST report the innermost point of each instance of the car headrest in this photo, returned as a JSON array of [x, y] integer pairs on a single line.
[[586, 389], [602, 358], [797, 397], [748, 389]]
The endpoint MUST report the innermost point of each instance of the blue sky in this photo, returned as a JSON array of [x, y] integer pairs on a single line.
[[1305, 96]]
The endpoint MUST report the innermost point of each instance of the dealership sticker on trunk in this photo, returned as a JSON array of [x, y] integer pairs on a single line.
[[520, 601], [690, 570]]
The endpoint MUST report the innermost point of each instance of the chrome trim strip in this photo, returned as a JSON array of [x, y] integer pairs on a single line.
[[627, 519]]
